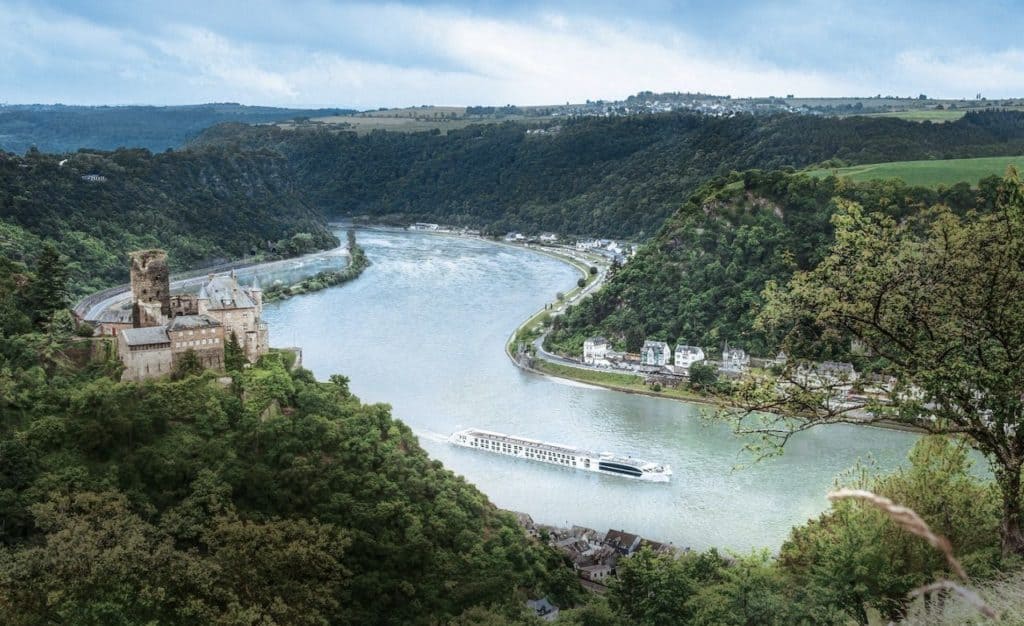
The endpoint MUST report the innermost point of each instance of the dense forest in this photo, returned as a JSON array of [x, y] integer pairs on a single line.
[[202, 207], [699, 280], [61, 128], [614, 177], [260, 190]]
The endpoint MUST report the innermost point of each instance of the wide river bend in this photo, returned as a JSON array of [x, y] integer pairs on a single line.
[[424, 328]]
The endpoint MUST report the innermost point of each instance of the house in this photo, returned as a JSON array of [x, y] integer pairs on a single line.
[[834, 372], [548, 238], [595, 573], [624, 543], [686, 356], [734, 360], [595, 351], [655, 353], [543, 609]]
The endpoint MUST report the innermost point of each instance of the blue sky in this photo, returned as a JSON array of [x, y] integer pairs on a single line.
[[364, 55]]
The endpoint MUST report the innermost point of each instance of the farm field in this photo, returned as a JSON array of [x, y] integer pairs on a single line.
[[928, 173], [923, 115]]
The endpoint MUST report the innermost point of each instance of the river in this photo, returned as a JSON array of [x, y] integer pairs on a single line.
[[424, 329]]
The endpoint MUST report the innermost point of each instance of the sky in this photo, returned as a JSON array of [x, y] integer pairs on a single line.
[[323, 53]]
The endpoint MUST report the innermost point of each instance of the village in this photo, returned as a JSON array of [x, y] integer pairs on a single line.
[[839, 383], [593, 554]]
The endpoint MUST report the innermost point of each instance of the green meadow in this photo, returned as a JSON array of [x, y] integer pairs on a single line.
[[928, 173]]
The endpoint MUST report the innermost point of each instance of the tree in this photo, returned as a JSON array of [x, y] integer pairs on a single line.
[[234, 357], [703, 375], [581, 283], [853, 557], [188, 364], [939, 301], [49, 291]]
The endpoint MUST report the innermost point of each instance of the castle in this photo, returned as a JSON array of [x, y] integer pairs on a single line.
[[164, 328]]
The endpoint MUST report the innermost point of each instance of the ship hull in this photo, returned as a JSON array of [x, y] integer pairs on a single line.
[[563, 456]]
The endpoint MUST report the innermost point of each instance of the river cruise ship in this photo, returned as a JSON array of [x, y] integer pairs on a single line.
[[566, 456]]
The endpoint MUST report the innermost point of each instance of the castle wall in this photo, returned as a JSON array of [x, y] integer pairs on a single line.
[[144, 362], [207, 343]]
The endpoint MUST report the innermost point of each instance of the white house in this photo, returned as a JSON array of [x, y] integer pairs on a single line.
[[734, 360], [655, 353], [595, 351], [548, 238], [687, 356]]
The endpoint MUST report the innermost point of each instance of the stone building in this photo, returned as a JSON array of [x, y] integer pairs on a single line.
[[151, 288], [239, 310], [164, 327]]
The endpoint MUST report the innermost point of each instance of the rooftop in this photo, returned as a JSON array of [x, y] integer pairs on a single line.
[[224, 293], [189, 322], [149, 336]]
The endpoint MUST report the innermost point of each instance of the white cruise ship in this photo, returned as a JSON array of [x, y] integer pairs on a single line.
[[567, 456]]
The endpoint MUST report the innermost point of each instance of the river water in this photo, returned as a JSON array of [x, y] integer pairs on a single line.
[[424, 329]]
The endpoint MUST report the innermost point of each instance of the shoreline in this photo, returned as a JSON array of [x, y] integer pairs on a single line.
[[703, 400]]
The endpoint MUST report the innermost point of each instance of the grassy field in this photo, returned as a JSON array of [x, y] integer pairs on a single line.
[[923, 115], [618, 381], [416, 119], [928, 173]]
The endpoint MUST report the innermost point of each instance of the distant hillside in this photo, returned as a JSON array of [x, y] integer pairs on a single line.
[[59, 128], [930, 173], [699, 281], [203, 207], [618, 177]]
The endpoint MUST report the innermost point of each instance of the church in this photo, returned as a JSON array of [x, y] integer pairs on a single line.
[[164, 328]]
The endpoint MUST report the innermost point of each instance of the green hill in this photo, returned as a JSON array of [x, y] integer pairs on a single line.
[[929, 173], [613, 177], [699, 281]]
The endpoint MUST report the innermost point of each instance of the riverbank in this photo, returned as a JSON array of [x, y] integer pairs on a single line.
[[625, 382], [358, 262]]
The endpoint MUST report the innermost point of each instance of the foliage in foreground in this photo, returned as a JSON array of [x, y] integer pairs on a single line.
[[275, 499], [938, 300]]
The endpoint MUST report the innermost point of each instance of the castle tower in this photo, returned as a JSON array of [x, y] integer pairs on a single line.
[[256, 293], [203, 300], [151, 288]]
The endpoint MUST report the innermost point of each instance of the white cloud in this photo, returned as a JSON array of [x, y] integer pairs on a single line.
[[963, 73], [217, 62], [368, 55]]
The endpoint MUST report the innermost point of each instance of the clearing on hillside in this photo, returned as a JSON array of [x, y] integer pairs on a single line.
[[927, 173]]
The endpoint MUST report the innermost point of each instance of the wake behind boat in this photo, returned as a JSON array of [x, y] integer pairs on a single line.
[[557, 454]]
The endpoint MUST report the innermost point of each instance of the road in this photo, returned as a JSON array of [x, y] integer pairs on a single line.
[[92, 306]]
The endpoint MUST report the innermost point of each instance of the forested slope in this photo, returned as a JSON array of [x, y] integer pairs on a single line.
[[699, 281], [202, 206], [61, 128], [615, 177], [269, 499]]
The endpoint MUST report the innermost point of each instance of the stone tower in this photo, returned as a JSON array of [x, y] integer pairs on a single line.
[[151, 288]]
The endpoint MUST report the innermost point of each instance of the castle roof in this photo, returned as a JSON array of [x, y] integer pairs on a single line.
[[224, 293], [190, 322], [148, 336], [202, 294]]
